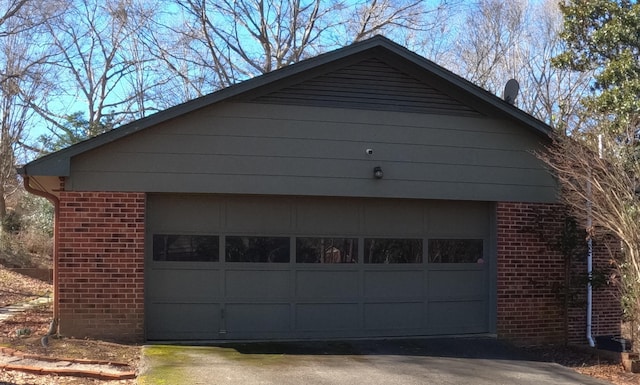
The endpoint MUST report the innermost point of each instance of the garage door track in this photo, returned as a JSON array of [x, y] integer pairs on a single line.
[[404, 361]]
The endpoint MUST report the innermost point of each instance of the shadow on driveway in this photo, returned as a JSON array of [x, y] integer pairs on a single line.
[[482, 361], [487, 348]]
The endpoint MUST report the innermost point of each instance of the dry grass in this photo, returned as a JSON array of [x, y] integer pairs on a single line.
[[38, 245], [26, 249]]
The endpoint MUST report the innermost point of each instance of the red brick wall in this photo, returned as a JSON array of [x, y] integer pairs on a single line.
[[536, 302], [101, 265]]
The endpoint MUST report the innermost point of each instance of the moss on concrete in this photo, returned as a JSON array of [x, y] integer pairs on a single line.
[[164, 365], [262, 359]]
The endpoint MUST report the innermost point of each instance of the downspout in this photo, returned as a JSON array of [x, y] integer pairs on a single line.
[[56, 216], [590, 256], [589, 270]]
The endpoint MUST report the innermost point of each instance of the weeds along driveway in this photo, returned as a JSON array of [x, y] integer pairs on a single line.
[[415, 361]]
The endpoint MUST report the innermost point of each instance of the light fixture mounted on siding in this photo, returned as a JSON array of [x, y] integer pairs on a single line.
[[377, 172]]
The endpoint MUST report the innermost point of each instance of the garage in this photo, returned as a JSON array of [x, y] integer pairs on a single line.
[[367, 192], [264, 267]]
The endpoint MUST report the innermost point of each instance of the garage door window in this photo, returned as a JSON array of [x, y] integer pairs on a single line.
[[185, 248], [392, 250], [456, 251], [326, 250], [257, 249]]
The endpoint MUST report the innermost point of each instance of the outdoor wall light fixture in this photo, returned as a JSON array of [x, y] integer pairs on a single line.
[[377, 172]]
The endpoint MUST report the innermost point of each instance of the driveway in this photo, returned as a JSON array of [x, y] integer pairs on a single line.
[[476, 361]]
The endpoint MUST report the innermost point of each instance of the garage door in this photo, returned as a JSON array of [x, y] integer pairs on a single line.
[[222, 267]]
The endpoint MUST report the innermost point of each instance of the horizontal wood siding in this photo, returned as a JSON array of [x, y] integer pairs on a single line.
[[267, 149], [369, 84]]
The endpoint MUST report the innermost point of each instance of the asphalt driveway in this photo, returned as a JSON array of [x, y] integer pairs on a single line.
[[413, 361]]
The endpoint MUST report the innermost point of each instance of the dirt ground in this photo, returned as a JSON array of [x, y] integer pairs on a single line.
[[590, 364], [36, 321]]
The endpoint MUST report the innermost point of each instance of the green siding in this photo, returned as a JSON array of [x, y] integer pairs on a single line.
[[286, 150]]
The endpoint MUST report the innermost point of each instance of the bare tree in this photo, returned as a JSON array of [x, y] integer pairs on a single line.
[[604, 189], [22, 80], [489, 45], [550, 93], [401, 20], [11, 125], [10, 11], [213, 44], [101, 64], [503, 40], [236, 40], [145, 81]]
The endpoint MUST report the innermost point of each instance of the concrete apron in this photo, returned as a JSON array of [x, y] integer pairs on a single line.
[[415, 361]]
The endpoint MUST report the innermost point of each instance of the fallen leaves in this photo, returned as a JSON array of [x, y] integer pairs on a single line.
[[17, 288], [587, 363]]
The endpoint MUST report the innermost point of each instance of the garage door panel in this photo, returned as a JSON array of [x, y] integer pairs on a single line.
[[393, 284], [204, 213], [390, 219], [456, 285], [183, 321], [251, 214], [241, 284], [328, 317], [327, 284], [460, 219], [393, 316], [251, 317], [321, 217], [457, 317], [187, 284]]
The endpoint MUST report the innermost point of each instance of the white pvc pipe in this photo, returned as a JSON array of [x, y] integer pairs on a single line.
[[590, 257], [589, 287], [600, 146]]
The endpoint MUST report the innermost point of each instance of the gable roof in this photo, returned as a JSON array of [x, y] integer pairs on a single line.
[[262, 88], [371, 81]]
